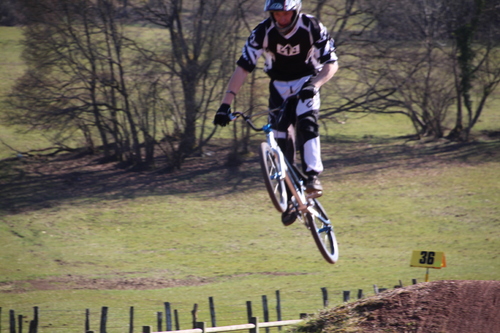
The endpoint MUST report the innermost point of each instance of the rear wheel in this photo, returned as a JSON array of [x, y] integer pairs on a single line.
[[322, 232], [275, 184]]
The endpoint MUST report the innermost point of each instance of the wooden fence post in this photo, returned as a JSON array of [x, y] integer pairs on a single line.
[[159, 320], [249, 314], [176, 317], [249, 310], [104, 319], [278, 308], [12, 321], [255, 321], [347, 295], [31, 327], [266, 311], [360, 293], [20, 323], [201, 325], [212, 311], [194, 314], [146, 329], [168, 317], [87, 320], [375, 289], [325, 297], [131, 320], [35, 320], [414, 281]]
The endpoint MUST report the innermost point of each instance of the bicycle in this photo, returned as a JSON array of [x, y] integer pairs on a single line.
[[279, 174]]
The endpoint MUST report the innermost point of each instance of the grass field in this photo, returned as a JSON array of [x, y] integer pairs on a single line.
[[76, 236]]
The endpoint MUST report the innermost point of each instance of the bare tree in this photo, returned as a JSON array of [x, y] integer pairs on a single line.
[[402, 57], [196, 55], [476, 56], [10, 14], [81, 75]]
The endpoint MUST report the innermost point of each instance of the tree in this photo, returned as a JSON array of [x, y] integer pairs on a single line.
[[477, 59], [10, 13], [196, 57], [402, 57], [77, 79]]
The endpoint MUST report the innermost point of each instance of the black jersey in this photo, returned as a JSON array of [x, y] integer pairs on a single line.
[[301, 52]]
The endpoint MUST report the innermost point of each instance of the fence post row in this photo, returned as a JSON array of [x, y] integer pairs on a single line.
[[33, 324]]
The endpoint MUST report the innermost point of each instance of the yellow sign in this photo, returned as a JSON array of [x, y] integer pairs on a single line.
[[428, 259]]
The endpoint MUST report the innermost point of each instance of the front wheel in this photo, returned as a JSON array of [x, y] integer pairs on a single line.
[[275, 184], [322, 232]]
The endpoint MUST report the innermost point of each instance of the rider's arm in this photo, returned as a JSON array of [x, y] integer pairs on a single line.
[[326, 73], [234, 85]]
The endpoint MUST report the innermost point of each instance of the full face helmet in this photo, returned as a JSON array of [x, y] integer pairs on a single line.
[[284, 5]]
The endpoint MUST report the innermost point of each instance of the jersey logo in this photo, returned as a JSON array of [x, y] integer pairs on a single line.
[[288, 50]]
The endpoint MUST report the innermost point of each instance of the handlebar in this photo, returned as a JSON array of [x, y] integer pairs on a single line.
[[247, 119], [266, 127]]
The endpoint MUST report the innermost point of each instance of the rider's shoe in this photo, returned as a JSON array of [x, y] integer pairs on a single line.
[[289, 215], [313, 184]]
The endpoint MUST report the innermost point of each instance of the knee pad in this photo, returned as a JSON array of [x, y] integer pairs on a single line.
[[307, 126]]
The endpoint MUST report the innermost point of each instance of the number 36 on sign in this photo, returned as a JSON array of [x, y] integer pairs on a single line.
[[428, 259]]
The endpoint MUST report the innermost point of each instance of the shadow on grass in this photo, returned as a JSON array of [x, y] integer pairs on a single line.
[[375, 155], [31, 184]]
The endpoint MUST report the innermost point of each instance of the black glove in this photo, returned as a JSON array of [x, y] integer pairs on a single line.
[[222, 116], [308, 91]]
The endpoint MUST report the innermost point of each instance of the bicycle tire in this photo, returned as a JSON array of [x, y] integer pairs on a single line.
[[275, 185], [323, 233]]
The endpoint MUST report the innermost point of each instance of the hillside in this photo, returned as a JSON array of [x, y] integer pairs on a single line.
[[79, 233], [433, 307]]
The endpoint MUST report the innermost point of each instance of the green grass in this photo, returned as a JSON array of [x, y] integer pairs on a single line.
[[227, 238], [238, 246]]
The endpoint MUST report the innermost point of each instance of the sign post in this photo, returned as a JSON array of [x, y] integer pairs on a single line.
[[428, 259]]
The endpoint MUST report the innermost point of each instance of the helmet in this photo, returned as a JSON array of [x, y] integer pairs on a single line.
[[284, 5]]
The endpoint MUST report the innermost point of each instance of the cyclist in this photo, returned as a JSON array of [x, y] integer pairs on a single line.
[[299, 58]]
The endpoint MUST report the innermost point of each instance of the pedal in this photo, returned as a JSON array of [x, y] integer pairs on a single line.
[[314, 195]]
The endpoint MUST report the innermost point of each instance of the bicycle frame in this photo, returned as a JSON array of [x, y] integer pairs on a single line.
[[286, 170]]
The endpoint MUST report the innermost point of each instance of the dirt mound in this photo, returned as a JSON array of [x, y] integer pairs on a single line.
[[432, 307]]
